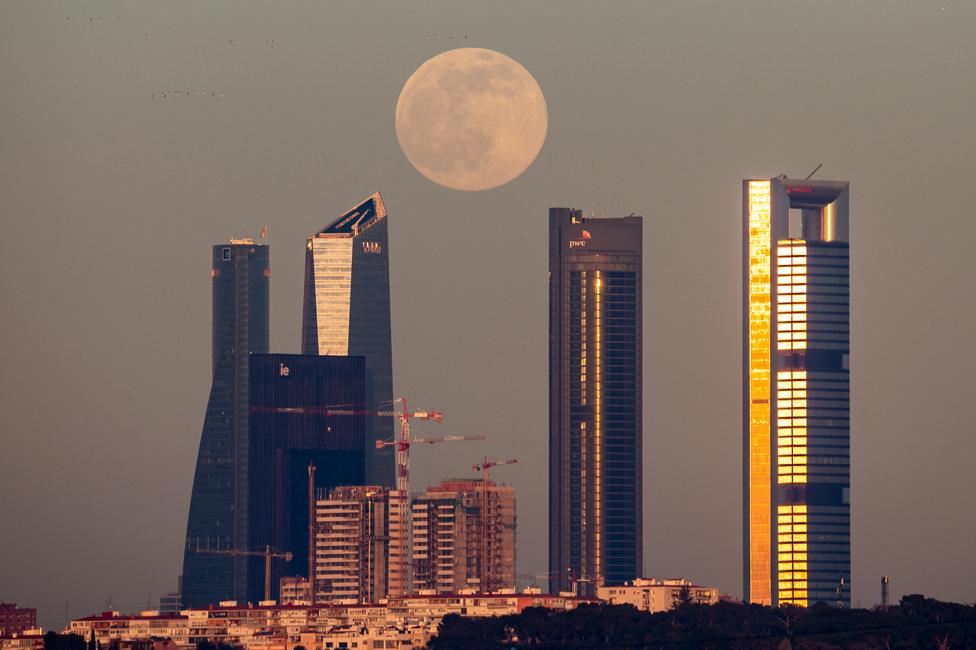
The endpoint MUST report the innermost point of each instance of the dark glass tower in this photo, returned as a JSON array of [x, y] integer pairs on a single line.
[[595, 504], [346, 311], [293, 423], [796, 397], [240, 274]]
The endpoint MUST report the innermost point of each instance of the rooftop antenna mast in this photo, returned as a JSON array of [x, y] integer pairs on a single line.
[[815, 170]]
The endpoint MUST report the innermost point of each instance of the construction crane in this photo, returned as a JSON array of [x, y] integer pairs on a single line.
[[483, 467], [573, 580], [402, 444], [268, 553], [536, 577]]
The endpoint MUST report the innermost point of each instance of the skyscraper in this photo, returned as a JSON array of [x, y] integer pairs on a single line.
[[240, 278], [346, 311], [595, 306], [293, 424], [796, 392]]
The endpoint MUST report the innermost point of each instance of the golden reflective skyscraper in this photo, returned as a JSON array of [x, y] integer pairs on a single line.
[[796, 392], [346, 311]]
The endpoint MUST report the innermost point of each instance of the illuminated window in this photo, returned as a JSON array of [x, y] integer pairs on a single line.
[[791, 450], [760, 339], [791, 289], [792, 567]]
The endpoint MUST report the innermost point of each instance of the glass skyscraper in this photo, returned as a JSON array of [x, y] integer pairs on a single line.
[[796, 392], [595, 412], [346, 311], [240, 277], [293, 423]]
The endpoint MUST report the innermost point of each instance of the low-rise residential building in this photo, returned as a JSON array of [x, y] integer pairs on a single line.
[[399, 623], [381, 638], [14, 620], [654, 595], [293, 590], [170, 603], [146, 626], [32, 639]]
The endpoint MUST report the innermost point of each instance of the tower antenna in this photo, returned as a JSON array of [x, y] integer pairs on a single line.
[[815, 170]]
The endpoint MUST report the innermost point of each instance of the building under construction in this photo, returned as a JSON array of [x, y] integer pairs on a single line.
[[450, 538], [360, 545]]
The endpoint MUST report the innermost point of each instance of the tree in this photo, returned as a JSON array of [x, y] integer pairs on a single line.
[[55, 641], [917, 623]]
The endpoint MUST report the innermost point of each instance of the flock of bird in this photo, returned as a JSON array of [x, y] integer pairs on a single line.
[[230, 41], [186, 93], [235, 41], [271, 42]]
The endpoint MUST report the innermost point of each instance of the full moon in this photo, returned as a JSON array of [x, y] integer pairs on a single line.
[[471, 119]]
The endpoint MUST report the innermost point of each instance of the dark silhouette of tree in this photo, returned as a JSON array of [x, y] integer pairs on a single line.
[[916, 623], [55, 641]]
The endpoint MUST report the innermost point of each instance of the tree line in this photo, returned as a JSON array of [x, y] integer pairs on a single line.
[[916, 622]]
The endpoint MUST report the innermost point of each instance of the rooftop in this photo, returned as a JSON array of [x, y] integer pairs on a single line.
[[358, 218]]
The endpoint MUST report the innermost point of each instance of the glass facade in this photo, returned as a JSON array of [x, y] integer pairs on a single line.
[[240, 278], [595, 504], [758, 363], [291, 427], [346, 311], [801, 554]]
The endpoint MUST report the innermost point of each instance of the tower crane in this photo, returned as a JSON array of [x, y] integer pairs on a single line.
[[402, 445], [483, 467], [268, 553], [404, 442], [536, 577]]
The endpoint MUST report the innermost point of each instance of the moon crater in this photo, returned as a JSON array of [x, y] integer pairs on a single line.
[[471, 119]]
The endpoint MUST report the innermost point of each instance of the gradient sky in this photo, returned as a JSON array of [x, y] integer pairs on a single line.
[[110, 199]]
